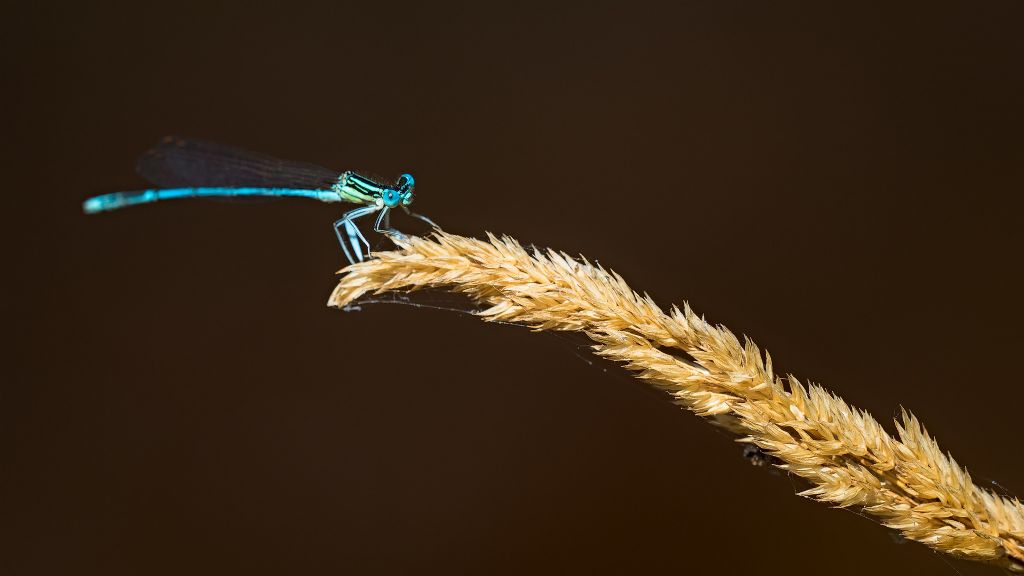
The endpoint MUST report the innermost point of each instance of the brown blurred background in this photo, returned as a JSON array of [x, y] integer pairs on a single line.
[[841, 184]]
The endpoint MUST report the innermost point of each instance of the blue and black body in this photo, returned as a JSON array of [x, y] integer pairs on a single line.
[[185, 168]]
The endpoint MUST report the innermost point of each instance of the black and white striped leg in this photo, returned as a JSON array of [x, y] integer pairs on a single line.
[[382, 219]]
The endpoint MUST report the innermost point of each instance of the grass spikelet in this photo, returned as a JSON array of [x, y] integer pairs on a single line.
[[905, 482]]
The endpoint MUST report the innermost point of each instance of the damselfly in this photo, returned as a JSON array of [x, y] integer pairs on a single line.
[[185, 168]]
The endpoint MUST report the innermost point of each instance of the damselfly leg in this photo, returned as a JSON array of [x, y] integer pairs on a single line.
[[421, 217], [352, 235], [382, 219], [351, 239], [381, 226]]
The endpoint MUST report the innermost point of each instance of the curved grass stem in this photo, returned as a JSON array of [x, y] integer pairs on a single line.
[[904, 481]]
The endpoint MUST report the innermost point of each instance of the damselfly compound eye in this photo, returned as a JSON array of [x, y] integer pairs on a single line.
[[405, 182]]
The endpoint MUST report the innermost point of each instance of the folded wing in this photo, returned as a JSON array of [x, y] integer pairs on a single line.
[[184, 163]]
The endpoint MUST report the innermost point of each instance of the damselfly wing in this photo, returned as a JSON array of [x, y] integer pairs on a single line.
[[189, 163]]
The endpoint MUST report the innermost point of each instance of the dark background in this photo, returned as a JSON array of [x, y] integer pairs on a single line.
[[841, 184]]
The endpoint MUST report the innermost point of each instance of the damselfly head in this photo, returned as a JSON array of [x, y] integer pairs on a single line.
[[405, 185]]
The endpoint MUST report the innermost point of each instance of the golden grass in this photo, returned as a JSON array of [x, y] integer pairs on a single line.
[[903, 481]]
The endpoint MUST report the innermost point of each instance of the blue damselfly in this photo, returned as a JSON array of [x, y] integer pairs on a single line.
[[187, 168]]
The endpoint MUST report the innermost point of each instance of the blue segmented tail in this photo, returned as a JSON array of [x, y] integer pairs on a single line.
[[116, 200]]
